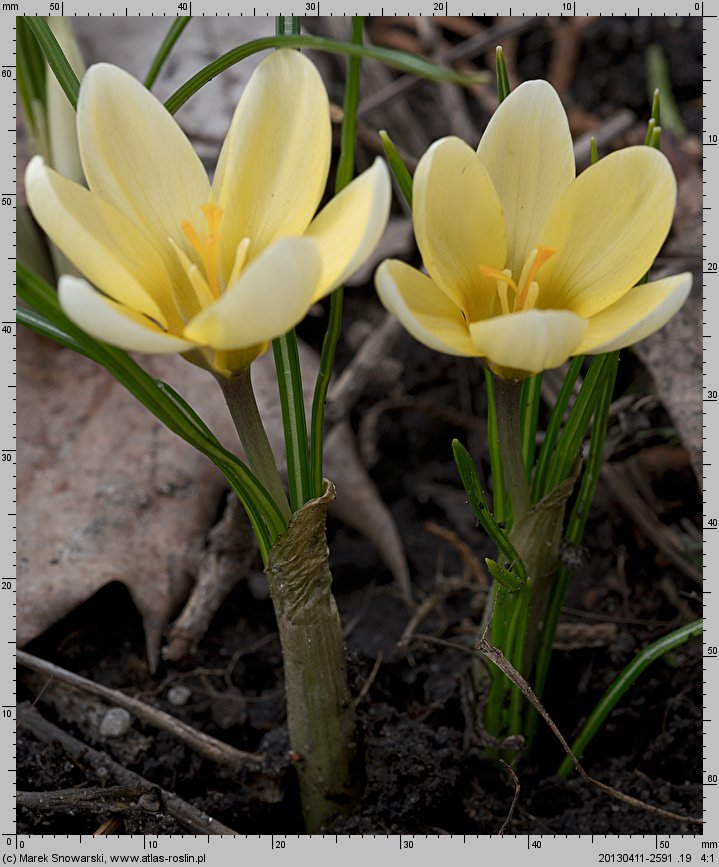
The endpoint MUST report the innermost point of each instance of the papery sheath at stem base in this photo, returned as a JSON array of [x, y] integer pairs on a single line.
[[320, 711]]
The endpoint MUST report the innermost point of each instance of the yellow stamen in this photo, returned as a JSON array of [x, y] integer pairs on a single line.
[[502, 288], [534, 262], [240, 259], [207, 249], [532, 295]]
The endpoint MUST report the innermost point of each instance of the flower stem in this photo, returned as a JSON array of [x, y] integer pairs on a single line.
[[241, 402], [507, 394], [320, 711]]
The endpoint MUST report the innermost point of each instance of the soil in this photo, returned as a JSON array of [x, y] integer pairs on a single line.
[[425, 769]]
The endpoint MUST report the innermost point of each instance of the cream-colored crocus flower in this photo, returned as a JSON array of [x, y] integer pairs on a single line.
[[527, 264], [214, 271]]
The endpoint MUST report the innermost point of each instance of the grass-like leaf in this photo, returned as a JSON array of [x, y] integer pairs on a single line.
[[345, 173], [163, 52], [475, 496], [626, 678], [55, 57], [398, 167], [48, 319], [400, 60]]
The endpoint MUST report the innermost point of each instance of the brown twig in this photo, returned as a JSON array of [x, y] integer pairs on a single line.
[[469, 48], [496, 656], [206, 746], [472, 570], [367, 685], [348, 387], [93, 801], [189, 817], [614, 126], [513, 805], [229, 555]]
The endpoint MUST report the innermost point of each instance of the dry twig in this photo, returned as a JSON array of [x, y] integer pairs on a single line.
[[496, 656], [194, 820], [206, 746]]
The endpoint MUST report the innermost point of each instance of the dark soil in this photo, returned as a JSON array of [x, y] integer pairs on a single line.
[[425, 772], [424, 765]]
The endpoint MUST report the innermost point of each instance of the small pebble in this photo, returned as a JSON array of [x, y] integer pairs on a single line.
[[115, 723], [178, 695]]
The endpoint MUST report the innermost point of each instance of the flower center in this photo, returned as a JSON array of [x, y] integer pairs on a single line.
[[206, 248], [526, 290], [207, 273]]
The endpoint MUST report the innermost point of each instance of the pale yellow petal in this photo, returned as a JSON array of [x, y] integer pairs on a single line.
[[527, 150], [423, 308], [273, 166], [106, 247], [606, 230], [136, 156], [458, 224], [530, 341], [349, 228], [273, 294], [639, 313], [113, 323]]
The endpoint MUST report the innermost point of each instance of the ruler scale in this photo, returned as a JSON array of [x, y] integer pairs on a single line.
[[697, 849]]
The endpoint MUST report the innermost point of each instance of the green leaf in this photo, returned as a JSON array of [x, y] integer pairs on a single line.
[[503, 576], [30, 71], [159, 398], [495, 458], [593, 152], [294, 420], [401, 60], [475, 495], [539, 486], [345, 173], [503, 88], [530, 400], [399, 169], [575, 429], [55, 57], [625, 679], [659, 79], [163, 52], [287, 25]]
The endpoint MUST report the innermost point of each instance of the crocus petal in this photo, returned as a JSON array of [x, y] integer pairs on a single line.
[[348, 229], [106, 247], [113, 323], [529, 341], [527, 150], [423, 308], [136, 156], [273, 294], [606, 230], [458, 224], [639, 313], [273, 166]]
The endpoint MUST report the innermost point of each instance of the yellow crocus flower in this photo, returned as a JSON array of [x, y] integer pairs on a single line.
[[214, 271], [527, 264]]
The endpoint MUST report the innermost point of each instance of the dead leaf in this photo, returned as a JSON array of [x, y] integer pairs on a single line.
[[674, 354], [107, 494]]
